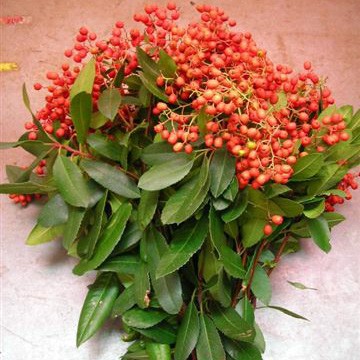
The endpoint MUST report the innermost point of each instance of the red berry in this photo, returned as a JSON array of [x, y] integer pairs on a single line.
[[277, 219], [267, 229]]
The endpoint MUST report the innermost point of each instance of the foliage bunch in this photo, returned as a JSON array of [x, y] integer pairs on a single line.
[[180, 164]]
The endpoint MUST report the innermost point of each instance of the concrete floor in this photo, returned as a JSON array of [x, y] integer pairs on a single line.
[[41, 299]]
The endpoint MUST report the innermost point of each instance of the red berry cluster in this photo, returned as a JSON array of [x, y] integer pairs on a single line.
[[347, 183]]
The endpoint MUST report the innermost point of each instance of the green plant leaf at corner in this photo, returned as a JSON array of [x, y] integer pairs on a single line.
[[81, 110], [97, 306], [70, 182], [147, 207], [209, 344], [55, 212], [320, 233], [109, 102], [222, 170], [166, 64], [41, 235], [261, 286], [242, 351], [158, 351], [166, 174], [108, 240], [85, 80], [188, 333], [307, 166]]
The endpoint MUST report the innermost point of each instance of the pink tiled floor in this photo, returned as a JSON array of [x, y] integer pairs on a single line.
[[41, 299]]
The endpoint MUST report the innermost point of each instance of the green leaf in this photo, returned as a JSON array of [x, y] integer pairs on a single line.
[[230, 323], [273, 190], [148, 65], [232, 190], [186, 241], [307, 166], [147, 207], [41, 235], [166, 174], [55, 212], [28, 187], [252, 231], [183, 204], [168, 288], [216, 230], [158, 153], [232, 263], [127, 264], [329, 177], [354, 123], [222, 170], [97, 306], [347, 111], [289, 207], [158, 351], [286, 312], [261, 286], [87, 243], [108, 240], [319, 230], [143, 318], [80, 111], [238, 207], [209, 345], [282, 101], [34, 147], [188, 333], [142, 286], [162, 333], [131, 236], [97, 120], [111, 178], [124, 302], [150, 84], [300, 286], [333, 218], [85, 80], [315, 209], [166, 64], [70, 182], [109, 103], [75, 218], [242, 351], [105, 147]]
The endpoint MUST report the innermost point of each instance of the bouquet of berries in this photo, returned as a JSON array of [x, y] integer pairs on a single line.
[[181, 164]]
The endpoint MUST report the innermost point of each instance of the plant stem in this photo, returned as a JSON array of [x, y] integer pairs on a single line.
[[279, 253]]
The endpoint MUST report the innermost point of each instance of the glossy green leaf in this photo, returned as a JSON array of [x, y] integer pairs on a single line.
[[216, 230], [273, 190], [183, 204], [221, 291], [320, 233], [124, 302], [109, 102], [143, 318], [307, 166], [333, 218], [150, 84], [148, 65], [127, 264], [161, 333], [242, 351], [142, 286], [87, 243], [55, 212], [237, 209], [252, 231], [354, 123], [111, 178], [287, 312], [85, 80], [158, 351], [76, 216], [131, 236], [147, 207], [28, 187], [166, 64], [168, 288], [108, 240], [188, 333], [71, 182], [314, 210], [300, 286], [168, 173], [34, 147], [209, 344], [290, 208], [261, 286], [232, 190], [222, 170], [97, 306], [41, 235], [105, 147], [186, 241], [158, 153], [81, 110], [232, 263], [230, 323], [97, 120]]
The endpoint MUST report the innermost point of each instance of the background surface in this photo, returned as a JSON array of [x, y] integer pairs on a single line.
[[41, 299]]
